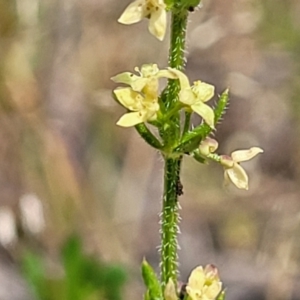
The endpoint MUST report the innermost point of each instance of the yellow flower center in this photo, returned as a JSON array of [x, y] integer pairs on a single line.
[[152, 6]]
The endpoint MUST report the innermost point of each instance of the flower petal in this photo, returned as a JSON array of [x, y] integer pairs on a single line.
[[183, 79], [194, 294], [187, 97], [125, 77], [203, 91], [133, 13], [130, 119], [237, 176], [205, 111], [227, 180], [129, 98], [158, 23], [244, 155], [210, 270], [213, 290], [196, 279], [137, 83], [166, 74]]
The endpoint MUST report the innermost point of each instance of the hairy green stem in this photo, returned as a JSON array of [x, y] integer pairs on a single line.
[[178, 32], [172, 184], [176, 53], [169, 220]]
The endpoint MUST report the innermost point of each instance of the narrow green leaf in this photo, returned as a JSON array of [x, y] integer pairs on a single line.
[[152, 283], [147, 135], [221, 295], [221, 106]]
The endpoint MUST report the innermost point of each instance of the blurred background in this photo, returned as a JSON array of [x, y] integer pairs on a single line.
[[80, 197]]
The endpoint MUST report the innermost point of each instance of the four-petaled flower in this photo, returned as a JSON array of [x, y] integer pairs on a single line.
[[141, 98], [204, 284], [155, 10], [195, 96], [233, 170], [142, 109]]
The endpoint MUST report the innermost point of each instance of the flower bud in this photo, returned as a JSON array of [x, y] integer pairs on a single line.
[[204, 283], [208, 146]]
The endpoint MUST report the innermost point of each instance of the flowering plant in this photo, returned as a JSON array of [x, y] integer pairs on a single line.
[[173, 134]]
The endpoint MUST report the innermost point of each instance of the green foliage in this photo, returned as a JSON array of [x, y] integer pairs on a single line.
[[146, 134], [84, 278], [35, 274], [152, 282]]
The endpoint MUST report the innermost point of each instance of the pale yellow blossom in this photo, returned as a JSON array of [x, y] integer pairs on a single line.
[[141, 98], [204, 284], [142, 109], [195, 96], [233, 171], [147, 80], [154, 10], [208, 146]]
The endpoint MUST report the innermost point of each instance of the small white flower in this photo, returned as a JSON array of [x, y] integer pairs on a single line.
[[208, 146], [155, 10], [142, 109], [195, 96], [147, 80], [204, 284], [141, 98], [232, 169]]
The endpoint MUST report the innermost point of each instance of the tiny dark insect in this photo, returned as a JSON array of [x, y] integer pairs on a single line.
[[179, 188]]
